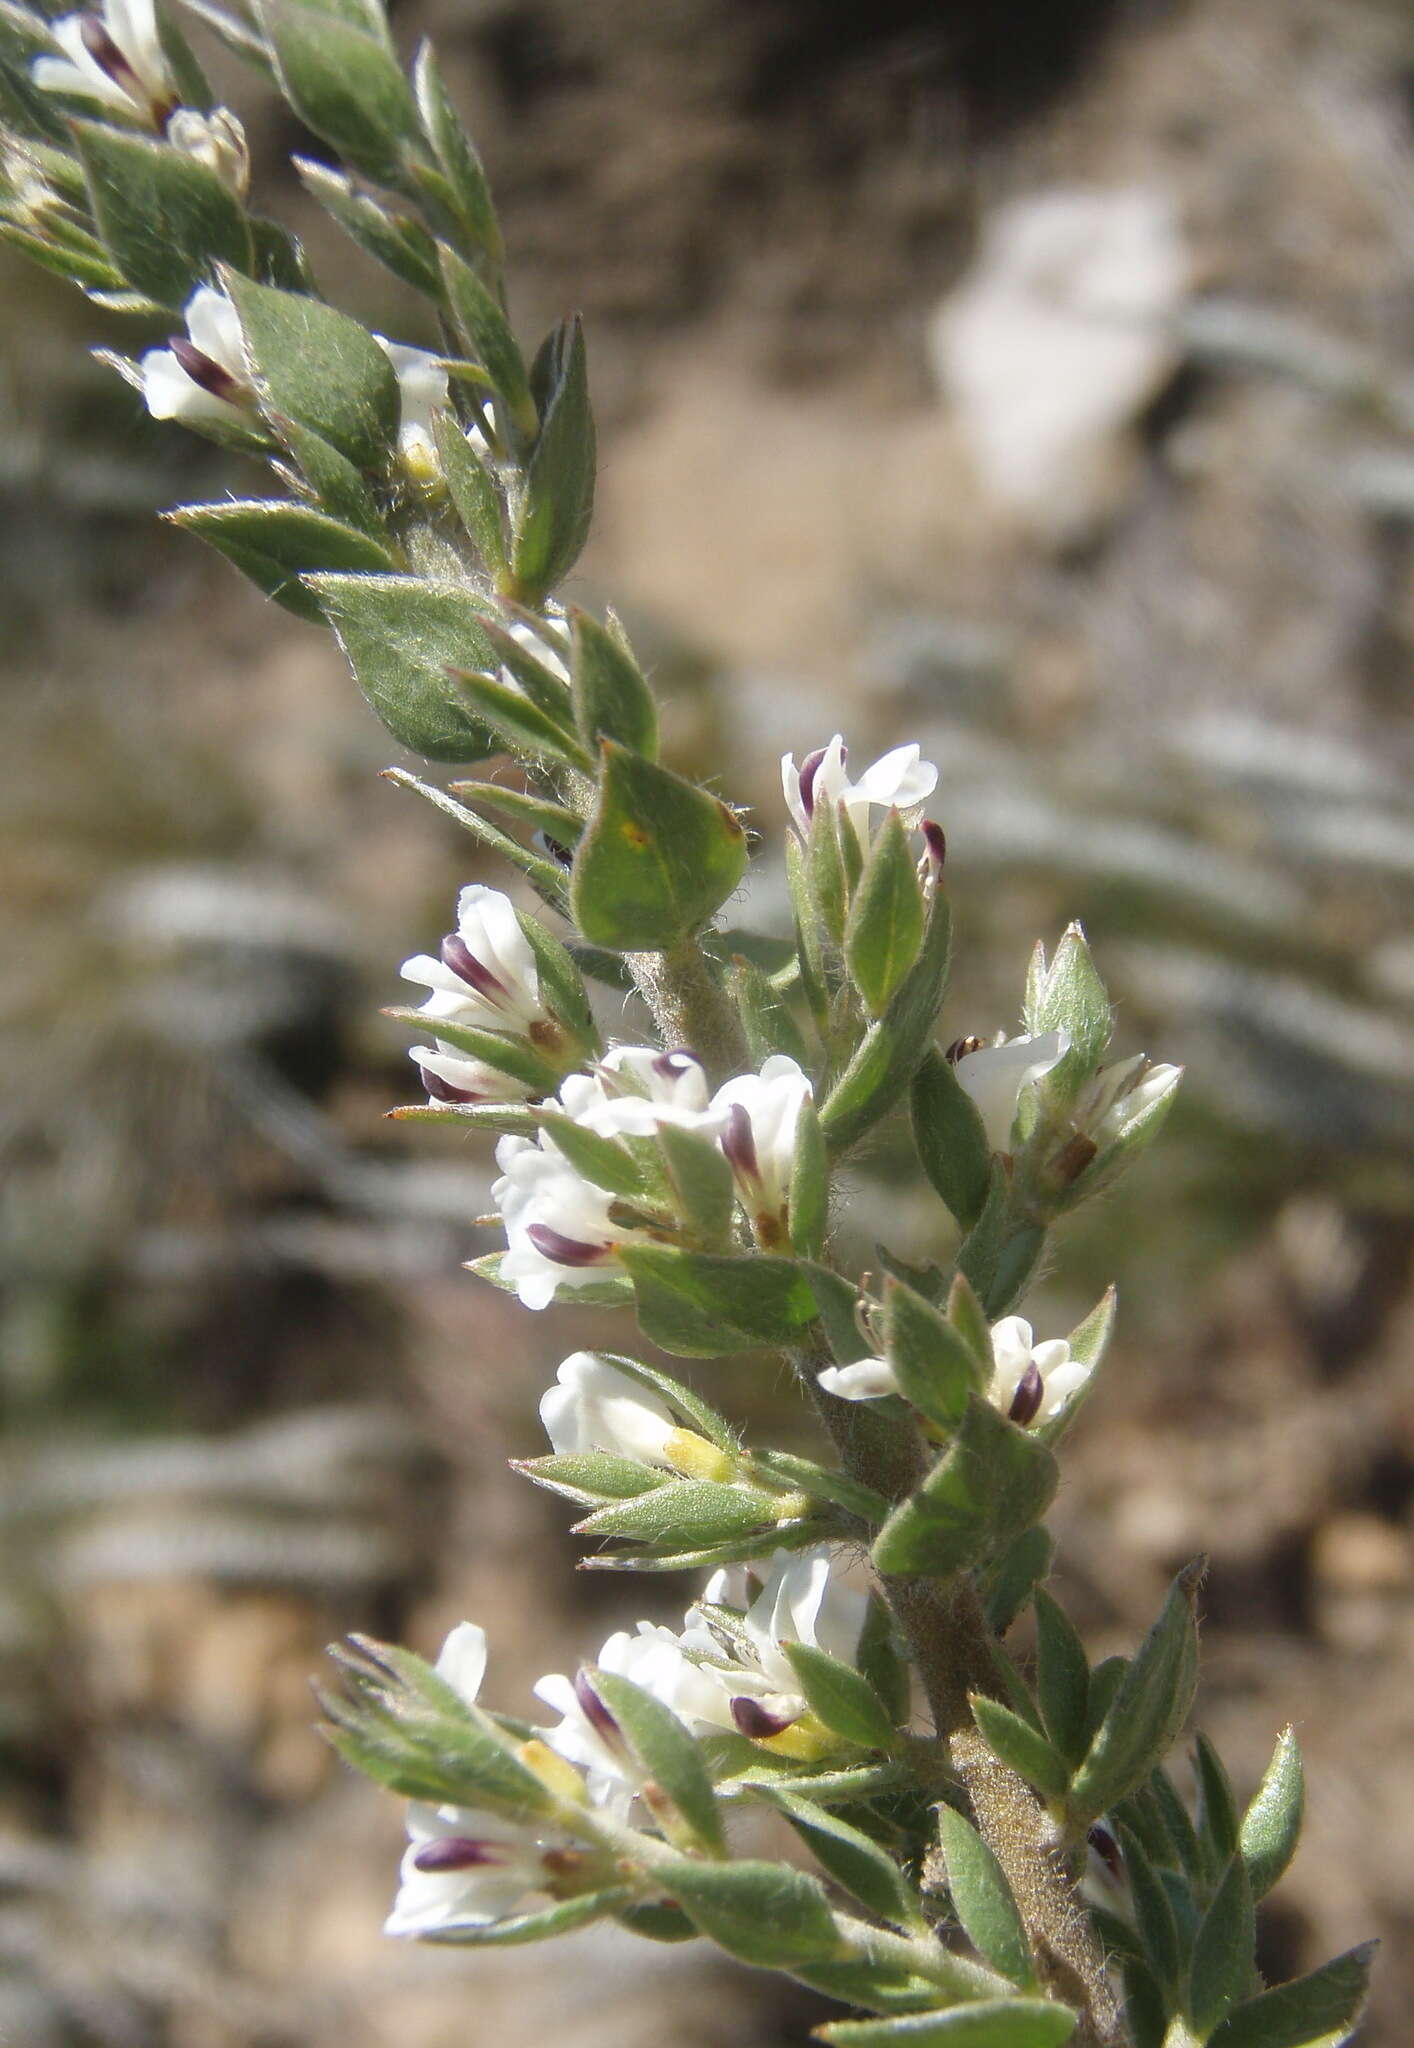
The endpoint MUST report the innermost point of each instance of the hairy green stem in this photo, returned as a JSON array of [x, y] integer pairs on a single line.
[[942, 1621], [691, 1008]]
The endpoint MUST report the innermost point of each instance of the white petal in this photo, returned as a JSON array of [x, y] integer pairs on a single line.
[[594, 1407], [462, 1660], [170, 394], [901, 779], [995, 1076], [215, 328], [869, 1379]]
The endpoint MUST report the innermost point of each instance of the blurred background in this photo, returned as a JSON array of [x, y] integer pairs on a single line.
[[1031, 380]]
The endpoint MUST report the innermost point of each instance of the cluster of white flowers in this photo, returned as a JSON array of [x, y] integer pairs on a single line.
[[1031, 1382], [563, 1233], [725, 1671]]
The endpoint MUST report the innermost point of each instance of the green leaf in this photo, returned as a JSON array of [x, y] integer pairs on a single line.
[[1217, 1809], [852, 1859], [765, 1014], [1221, 1972], [345, 85], [701, 1180], [936, 1368], [695, 1412], [1062, 1678], [522, 726], [521, 1928], [1014, 1575], [1148, 1710], [592, 1477], [1001, 1251], [1318, 2011], [400, 636], [1153, 1914], [808, 933], [511, 1056], [658, 857], [1105, 1681], [603, 1161], [951, 1141], [489, 341], [166, 218], [466, 180], [1018, 1745], [335, 482], [397, 240], [884, 929], [803, 1475], [982, 1900], [658, 1922], [535, 813], [698, 1305], [685, 1512], [993, 1483], [558, 504], [1271, 1826], [473, 491], [994, 2023], [612, 701], [1069, 996], [809, 1202], [763, 1913], [320, 369], [667, 1752], [547, 878], [1185, 1850], [275, 543], [891, 1049], [841, 1697]]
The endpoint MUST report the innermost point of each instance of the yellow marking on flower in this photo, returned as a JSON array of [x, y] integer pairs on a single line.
[[807, 1741], [695, 1458], [552, 1770]]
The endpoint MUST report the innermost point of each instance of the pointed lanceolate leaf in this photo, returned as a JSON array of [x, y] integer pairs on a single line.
[[701, 1181], [319, 369], [809, 1203], [1149, 1709], [1018, 1745], [604, 1162], [1271, 1826], [167, 219], [841, 1697], [345, 85], [983, 1901], [276, 543], [1217, 1809], [1011, 1579], [891, 1049], [1068, 995], [765, 1014], [698, 1305], [395, 239], [936, 1368], [993, 2023], [593, 1477], [513, 1056], [686, 1512], [473, 492], [546, 875], [853, 1859], [951, 1141], [1318, 2011], [658, 857], [1221, 1972], [1155, 1925], [993, 1483], [1062, 1678], [763, 1913], [401, 636], [522, 727], [487, 335], [558, 503], [666, 1751], [886, 918], [466, 180], [612, 701], [339, 487], [696, 1413]]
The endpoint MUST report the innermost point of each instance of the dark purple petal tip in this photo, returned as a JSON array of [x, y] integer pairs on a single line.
[[1030, 1392], [204, 370], [757, 1721], [458, 956], [595, 1712], [457, 1852], [936, 841], [739, 1143], [565, 1251]]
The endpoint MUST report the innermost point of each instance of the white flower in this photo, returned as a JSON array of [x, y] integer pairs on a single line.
[[1120, 1095], [995, 1075], [868, 1379], [558, 1234], [900, 780], [204, 377], [802, 1600], [422, 389], [760, 1119], [486, 975], [452, 1076], [1032, 1382], [588, 1735], [595, 1407], [114, 56], [216, 140], [463, 1866], [636, 1088]]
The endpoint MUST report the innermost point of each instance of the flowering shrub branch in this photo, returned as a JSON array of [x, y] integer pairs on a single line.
[[998, 1855]]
